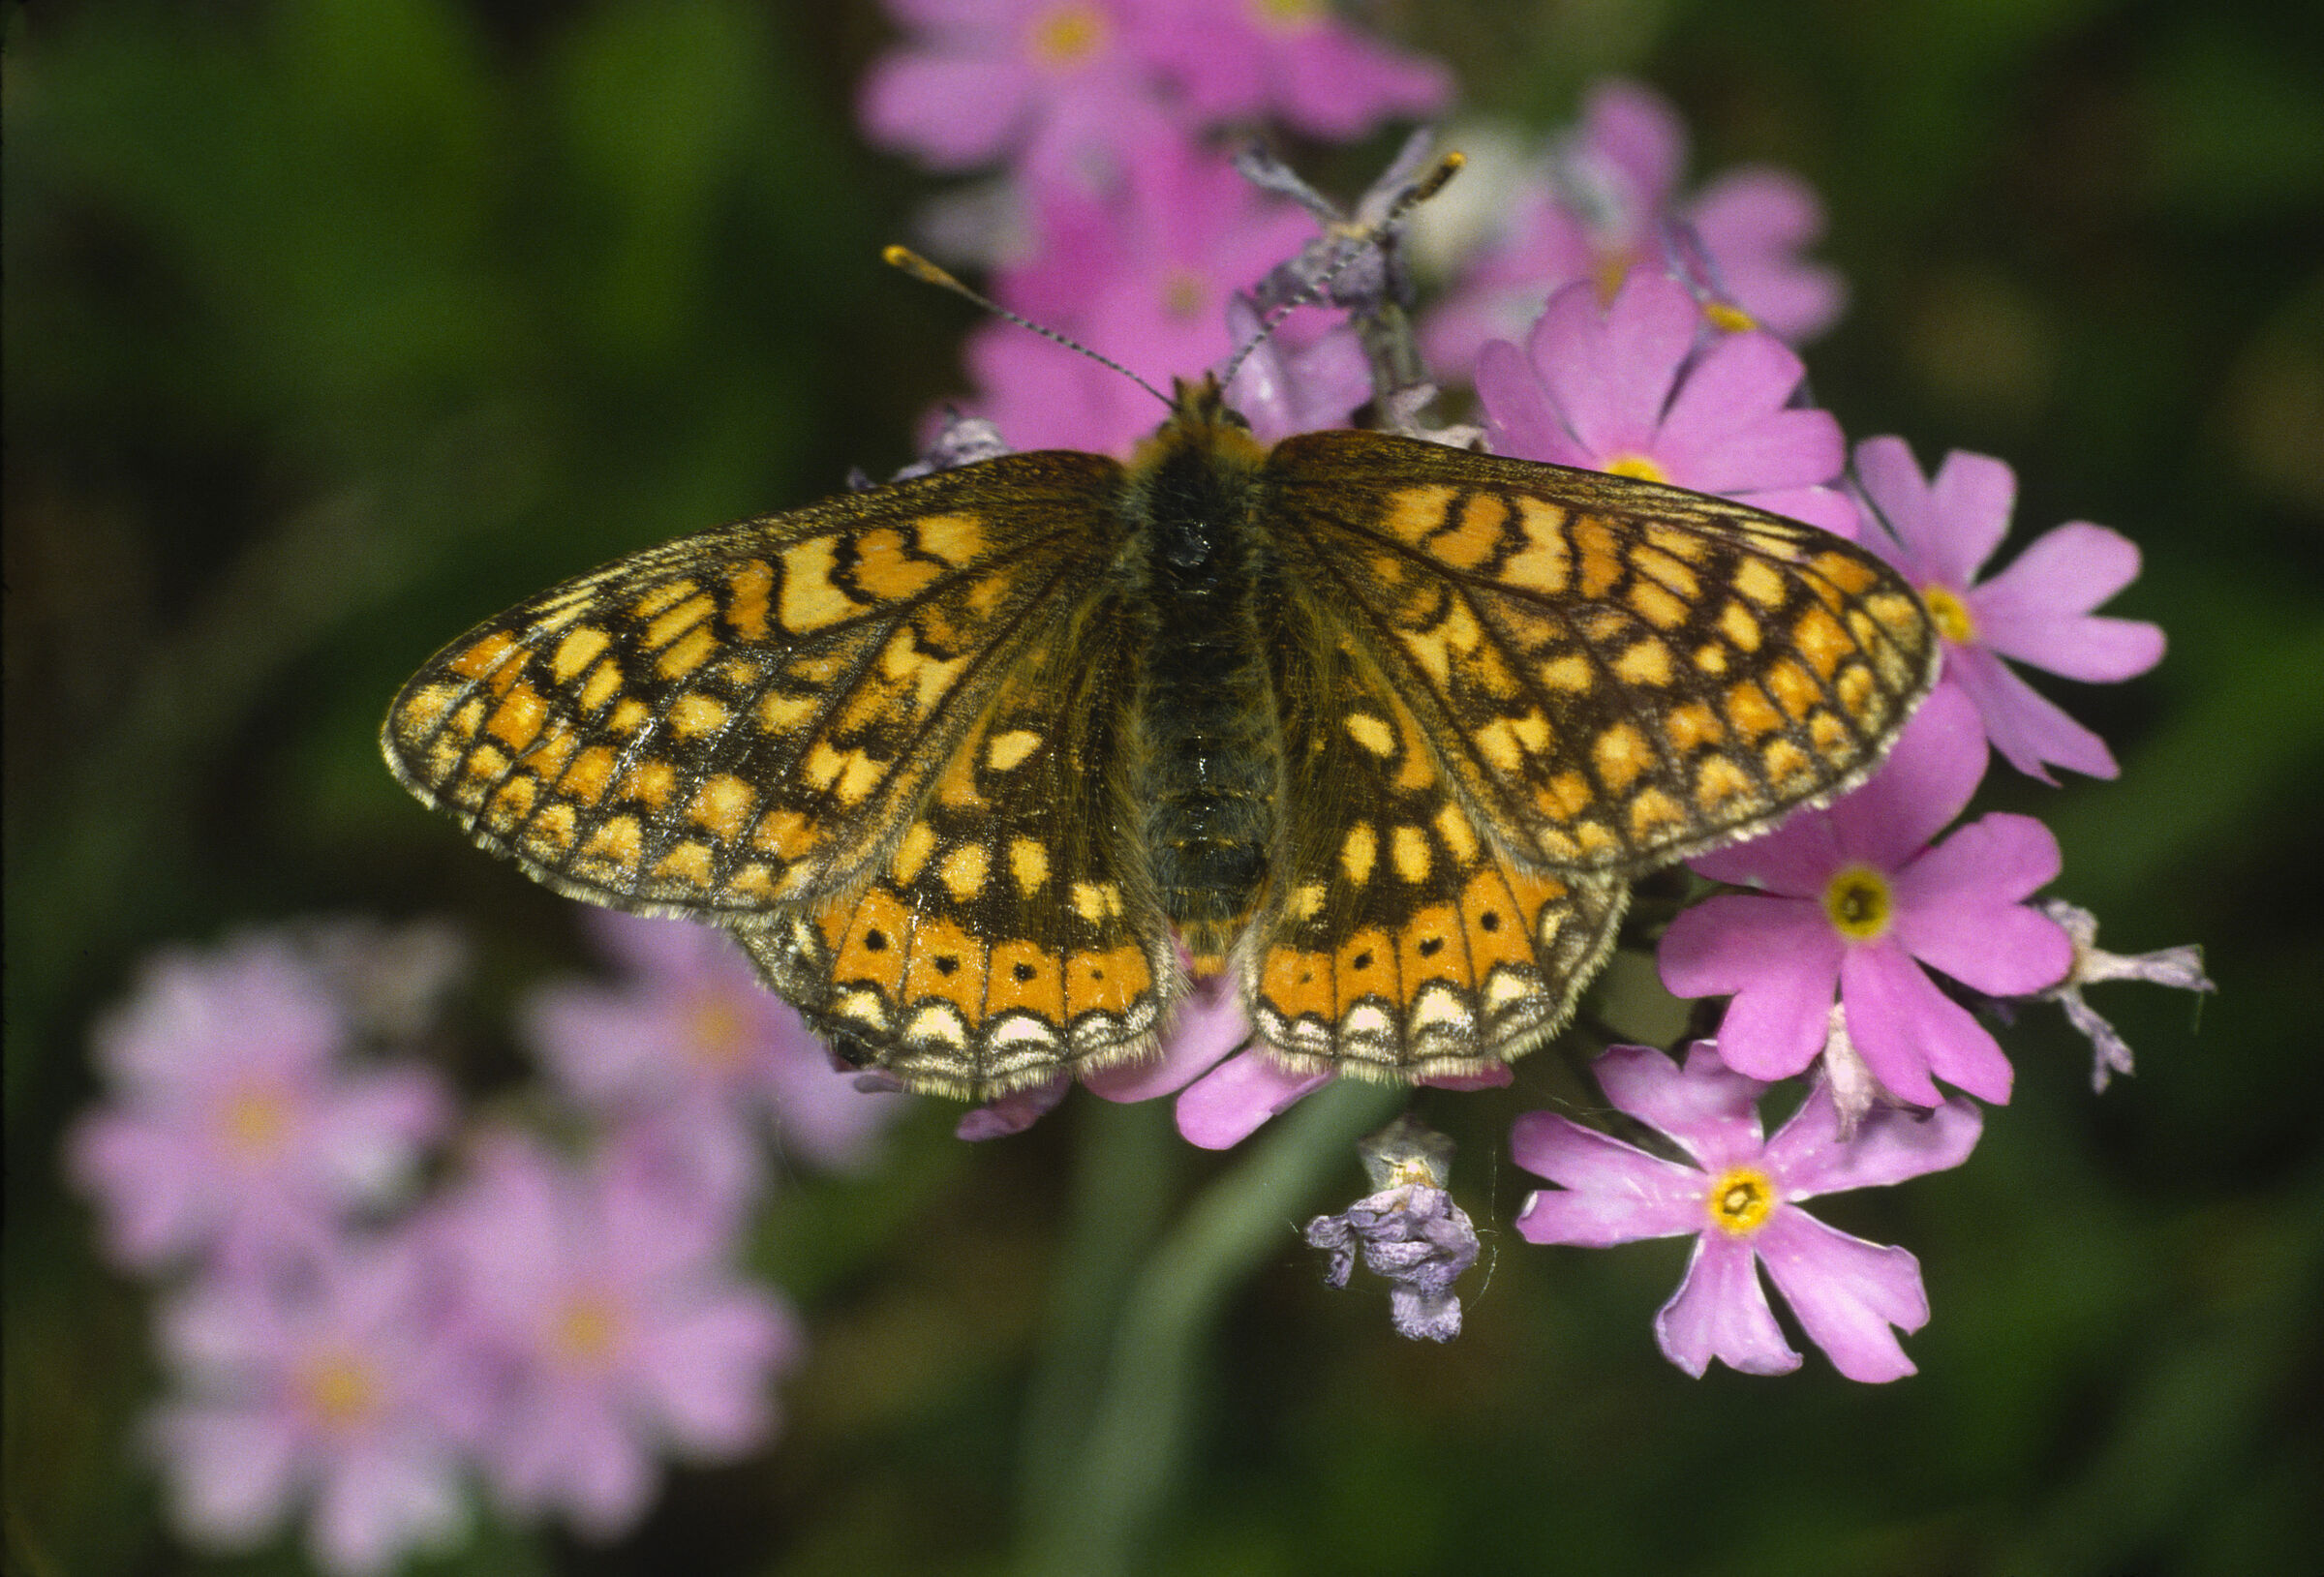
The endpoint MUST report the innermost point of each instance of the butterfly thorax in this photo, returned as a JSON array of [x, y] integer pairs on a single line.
[[1207, 770]]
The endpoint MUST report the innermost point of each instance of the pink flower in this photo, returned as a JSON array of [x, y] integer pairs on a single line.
[[340, 1390], [233, 1128], [691, 1043], [1226, 1093], [1240, 60], [1610, 201], [1209, 1026], [1628, 388], [2037, 611], [618, 1332], [1281, 389], [1851, 1296], [1145, 279], [1853, 900], [1049, 84]]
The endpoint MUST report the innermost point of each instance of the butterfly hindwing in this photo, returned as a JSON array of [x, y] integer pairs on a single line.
[[748, 716], [1399, 941], [1012, 934], [1616, 674]]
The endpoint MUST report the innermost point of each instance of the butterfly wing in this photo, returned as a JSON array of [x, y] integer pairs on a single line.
[[1397, 940], [1614, 673], [1013, 935], [750, 718]]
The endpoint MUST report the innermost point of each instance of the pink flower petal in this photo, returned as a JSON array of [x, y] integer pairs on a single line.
[[233, 1472], [1754, 222], [1846, 1292], [1634, 131], [1728, 430], [1720, 1312], [2063, 572], [1971, 499], [1926, 781], [1905, 1029], [1899, 497], [374, 1506], [1807, 1158], [1958, 908], [1227, 1104], [2027, 727], [1339, 84], [1517, 410], [1210, 1026], [1825, 507], [1613, 1193], [2036, 610], [954, 111], [1612, 373], [1794, 860], [1010, 1113], [1780, 956], [1711, 1110]]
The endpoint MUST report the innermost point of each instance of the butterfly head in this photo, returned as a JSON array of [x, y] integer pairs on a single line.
[[1202, 427]]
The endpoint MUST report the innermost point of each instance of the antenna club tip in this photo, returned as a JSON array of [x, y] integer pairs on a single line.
[[919, 268], [1456, 160]]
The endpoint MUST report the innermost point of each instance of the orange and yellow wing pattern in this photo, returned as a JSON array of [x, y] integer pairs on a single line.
[[1615, 674], [1399, 941], [751, 716], [1013, 933]]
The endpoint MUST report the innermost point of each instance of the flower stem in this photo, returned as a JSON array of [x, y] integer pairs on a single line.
[[1100, 1489]]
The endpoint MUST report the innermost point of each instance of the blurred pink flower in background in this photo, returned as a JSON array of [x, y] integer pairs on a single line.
[[232, 1126], [1602, 207], [1051, 85], [1240, 60], [617, 1329], [1141, 278], [340, 1389], [688, 1037]]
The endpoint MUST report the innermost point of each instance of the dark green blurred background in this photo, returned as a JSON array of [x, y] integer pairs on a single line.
[[334, 325]]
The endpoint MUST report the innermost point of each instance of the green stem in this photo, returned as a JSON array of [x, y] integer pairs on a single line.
[[1088, 1522]]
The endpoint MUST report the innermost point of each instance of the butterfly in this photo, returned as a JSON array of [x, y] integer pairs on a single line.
[[982, 766]]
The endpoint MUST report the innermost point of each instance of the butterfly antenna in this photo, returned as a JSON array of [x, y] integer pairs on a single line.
[[1372, 235], [927, 273]]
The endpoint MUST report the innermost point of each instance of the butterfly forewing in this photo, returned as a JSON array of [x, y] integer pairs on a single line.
[[749, 717], [1012, 935], [1616, 674]]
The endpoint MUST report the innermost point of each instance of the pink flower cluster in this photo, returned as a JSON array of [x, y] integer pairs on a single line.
[[1610, 320], [342, 1341], [1120, 223]]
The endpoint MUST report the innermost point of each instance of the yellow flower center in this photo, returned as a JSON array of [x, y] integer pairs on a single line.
[[1725, 316], [1608, 273], [255, 1120], [1740, 1201], [1635, 465], [1068, 36], [587, 1331], [342, 1391], [1183, 293], [718, 1034], [1859, 902], [1287, 15], [1950, 615]]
